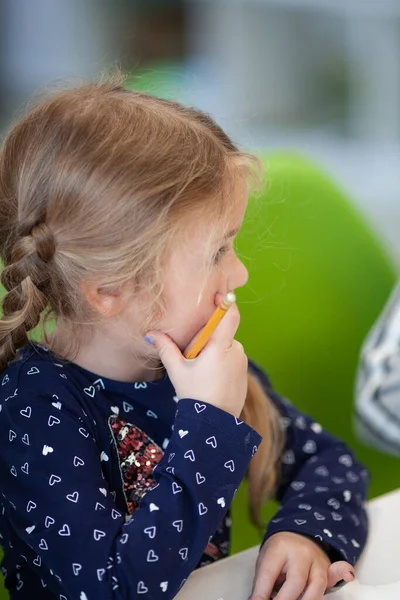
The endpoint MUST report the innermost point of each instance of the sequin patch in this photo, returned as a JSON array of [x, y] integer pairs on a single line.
[[138, 455]]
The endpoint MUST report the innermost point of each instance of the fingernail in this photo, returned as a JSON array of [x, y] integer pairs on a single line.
[[149, 339], [352, 574]]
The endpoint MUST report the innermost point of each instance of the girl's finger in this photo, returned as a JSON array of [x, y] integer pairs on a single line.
[[296, 580], [317, 583], [226, 329], [338, 571], [266, 575], [168, 351]]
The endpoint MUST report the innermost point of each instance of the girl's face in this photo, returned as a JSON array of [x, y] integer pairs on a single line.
[[190, 296]]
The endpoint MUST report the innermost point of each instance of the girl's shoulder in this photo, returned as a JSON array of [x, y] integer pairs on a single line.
[[36, 378], [35, 371]]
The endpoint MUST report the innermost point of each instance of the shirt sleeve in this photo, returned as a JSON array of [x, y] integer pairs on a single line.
[[61, 508], [377, 408], [322, 487]]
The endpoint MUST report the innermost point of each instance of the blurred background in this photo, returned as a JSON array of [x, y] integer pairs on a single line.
[[321, 77]]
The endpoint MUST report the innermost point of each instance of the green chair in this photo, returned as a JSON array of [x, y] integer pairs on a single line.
[[318, 278]]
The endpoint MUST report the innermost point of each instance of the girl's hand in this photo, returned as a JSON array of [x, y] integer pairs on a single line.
[[218, 375], [299, 565]]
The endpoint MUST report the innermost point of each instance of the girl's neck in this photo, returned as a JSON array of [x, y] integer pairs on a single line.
[[103, 356]]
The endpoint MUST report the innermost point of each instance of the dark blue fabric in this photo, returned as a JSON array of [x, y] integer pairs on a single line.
[[70, 530]]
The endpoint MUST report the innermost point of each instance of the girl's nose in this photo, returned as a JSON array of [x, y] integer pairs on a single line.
[[239, 275]]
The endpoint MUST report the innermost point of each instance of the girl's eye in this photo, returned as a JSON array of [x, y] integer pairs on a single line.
[[220, 254]]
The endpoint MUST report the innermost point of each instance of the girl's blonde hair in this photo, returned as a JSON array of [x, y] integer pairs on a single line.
[[98, 182]]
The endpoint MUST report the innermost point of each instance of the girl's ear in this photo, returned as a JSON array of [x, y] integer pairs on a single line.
[[106, 300]]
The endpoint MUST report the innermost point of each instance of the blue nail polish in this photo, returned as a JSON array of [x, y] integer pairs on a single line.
[[149, 339]]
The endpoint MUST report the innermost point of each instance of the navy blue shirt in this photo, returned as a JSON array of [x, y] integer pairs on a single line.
[[115, 490]]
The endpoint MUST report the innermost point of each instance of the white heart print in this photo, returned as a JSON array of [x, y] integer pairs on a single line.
[[33, 371], [150, 531], [73, 497], [310, 447], [336, 516], [152, 556], [334, 503], [141, 588], [211, 441], [288, 457], [183, 553], [26, 412], [99, 383], [316, 427], [54, 479], [30, 529], [140, 385], [49, 521], [305, 506], [200, 478], [43, 545], [346, 460], [176, 488], [319, 517], [297, 485], [322, 470], [90, 391], [178, 525], [202, 509], [190, 455], [65, 530], [98, 534]]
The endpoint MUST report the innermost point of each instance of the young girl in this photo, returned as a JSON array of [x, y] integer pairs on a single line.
[[119, 457]]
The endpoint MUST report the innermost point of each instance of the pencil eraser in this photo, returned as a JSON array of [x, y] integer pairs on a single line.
[[230, 297]]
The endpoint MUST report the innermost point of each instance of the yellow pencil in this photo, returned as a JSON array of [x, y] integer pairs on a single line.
[[215, 318]]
